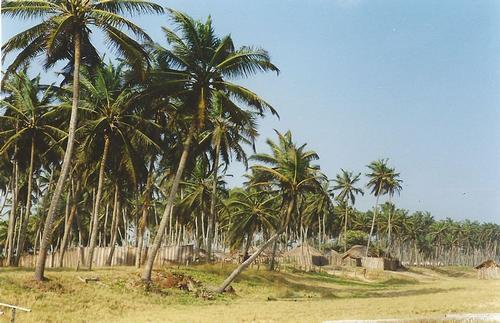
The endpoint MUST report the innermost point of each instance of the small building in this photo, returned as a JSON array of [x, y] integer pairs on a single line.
[[304, 257], [353, 256], [488, 269], [334, 258]]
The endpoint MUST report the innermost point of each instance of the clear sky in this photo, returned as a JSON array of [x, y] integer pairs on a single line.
[[417, 82]]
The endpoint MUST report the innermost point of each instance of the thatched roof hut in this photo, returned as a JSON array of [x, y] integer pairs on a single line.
[[488, 269], [334, 258], [305, 257]]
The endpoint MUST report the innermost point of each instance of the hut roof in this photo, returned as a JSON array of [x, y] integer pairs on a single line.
[[355, 252], [487, 264], [304, 249]]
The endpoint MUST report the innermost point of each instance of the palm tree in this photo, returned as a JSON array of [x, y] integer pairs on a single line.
[[393, 186], [197, 196], [203, 64], [113, 125], [30, 126], [378, 178], [66, 24], [345, 183], [230, 127], [290, 171], [250, 210], [318, 208]]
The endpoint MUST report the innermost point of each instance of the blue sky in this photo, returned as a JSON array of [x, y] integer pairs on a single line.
[[417, 82]]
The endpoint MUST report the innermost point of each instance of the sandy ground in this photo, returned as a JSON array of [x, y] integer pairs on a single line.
[[420, 296]]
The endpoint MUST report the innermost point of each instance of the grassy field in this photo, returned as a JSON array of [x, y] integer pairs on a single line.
[[260, 296]]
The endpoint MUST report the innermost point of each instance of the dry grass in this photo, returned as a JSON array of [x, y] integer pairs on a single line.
[[260, 296]]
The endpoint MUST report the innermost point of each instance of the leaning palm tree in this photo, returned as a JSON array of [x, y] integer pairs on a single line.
[[30, 126], [63, 34], [290, 171], [378, 177], [203, 64], [345, 183]]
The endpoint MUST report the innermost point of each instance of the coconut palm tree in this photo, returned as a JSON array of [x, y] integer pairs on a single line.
[[113, 127], [230, 127], [63, 34], [318, 208], [249, 211], [290, 171], [345, 183], [203, 64], [30, 126], [378, 178], [197, 197], [393, 185]]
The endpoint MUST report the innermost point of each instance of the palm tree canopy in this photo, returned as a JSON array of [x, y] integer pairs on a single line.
[[382, 178], [204, 64], [62, 20], [111, 112], [30, 114], [345, 182]]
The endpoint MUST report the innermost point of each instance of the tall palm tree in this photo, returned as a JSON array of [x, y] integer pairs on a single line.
[[345, 183], [203, 64], [29, 124], [113, 127], [319, 209], [62, 34], [378, 178], [393, 186], [289, 170], [230, 127]]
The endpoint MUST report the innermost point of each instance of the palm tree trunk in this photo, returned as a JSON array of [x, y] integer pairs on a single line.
[[213, 203], [168, 208], [373, 225], [345, 225], [47, 231], [16, 237], [67, 228], [95, 220], [272, 263], [144, 216], [4, 198], [247, 262], [248, 244], [12, 213], [105, 227], [114, 226], [389, 229], [24, 224]]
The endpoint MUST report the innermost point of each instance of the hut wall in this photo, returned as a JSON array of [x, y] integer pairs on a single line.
[[373, 263], [488, 273], [335, 260], [391, 264], [350, 262]]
